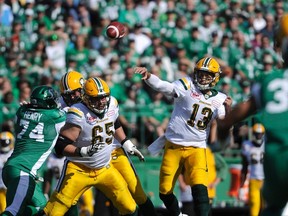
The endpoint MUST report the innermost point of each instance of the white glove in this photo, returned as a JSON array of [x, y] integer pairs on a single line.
[[91, 149], [131, 149]]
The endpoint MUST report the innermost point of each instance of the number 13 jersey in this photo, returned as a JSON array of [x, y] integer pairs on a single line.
[[193, 113]]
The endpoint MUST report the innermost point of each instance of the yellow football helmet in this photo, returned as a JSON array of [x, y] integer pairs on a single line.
[[206, 73], [258, 134], [71, 87], [282, 37], [96, 95], [6, 141]]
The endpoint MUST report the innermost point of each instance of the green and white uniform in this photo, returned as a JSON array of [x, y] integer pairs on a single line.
[[271, 94], [36, 133]]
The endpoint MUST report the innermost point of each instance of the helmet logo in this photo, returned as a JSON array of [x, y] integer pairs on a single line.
[[81, 82]]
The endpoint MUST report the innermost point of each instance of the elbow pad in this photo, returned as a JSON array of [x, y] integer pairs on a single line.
[[61, 143]]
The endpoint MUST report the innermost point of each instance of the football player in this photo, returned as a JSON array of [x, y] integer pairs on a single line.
[[252, 159], [122, 163], [6, 147], [86, 140], [196, 104], [71, 88], [37, 128], [269, 96]]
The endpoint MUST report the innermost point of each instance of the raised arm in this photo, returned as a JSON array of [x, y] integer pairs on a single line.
[[155, 82]]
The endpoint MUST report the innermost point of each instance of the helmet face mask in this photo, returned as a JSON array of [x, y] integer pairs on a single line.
[[206, 73], [44, 97], [98, 105], [6, 141], [97, 95], [204, 79], [258, 134], [73, 97], [71, 87]]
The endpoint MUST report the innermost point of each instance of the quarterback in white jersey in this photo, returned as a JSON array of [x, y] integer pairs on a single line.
[[252, 161], [196, 105], [86, 141]]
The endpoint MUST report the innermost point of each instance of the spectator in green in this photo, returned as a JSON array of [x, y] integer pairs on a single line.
[[42, 18], [156, 117], [237, 47], [176, 35], [130, 56], [80, 52], [9, 106], [266, 47], [154, 23], [223, 51], [129, 115], [196, 47], [160, 58], [116, 69], [246, 90], [88, 68], [117, 89], [247, 65], [194, 18], [128, 14]]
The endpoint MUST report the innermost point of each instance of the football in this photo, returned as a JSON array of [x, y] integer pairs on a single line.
[[115, 30]]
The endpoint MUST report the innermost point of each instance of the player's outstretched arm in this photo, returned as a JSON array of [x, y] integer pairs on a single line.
[[155, 82], [240, 112], [64, 146]]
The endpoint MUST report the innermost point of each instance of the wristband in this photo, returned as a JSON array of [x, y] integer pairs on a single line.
[[78, 152], [124, 140]]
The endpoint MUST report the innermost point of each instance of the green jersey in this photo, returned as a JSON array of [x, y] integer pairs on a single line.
[[36, 133], [272, 99], [271, 95]]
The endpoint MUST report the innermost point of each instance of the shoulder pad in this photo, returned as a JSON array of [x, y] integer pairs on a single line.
[[75, 111], [185, 83], [114, 102]]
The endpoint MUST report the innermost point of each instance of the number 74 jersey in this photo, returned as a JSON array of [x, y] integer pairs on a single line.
[[193, 113]]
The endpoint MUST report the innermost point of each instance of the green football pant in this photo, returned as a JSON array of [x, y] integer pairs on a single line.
[[23, 192]]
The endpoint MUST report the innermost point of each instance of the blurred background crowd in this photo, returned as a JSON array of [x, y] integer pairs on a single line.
[[40, 40]]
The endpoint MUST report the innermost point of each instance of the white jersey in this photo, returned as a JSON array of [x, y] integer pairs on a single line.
[[193, 111], [3, 159], [94, 130], [254, 156], [64, 106]]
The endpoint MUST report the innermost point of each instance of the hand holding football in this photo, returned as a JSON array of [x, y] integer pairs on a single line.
[[115, 30]]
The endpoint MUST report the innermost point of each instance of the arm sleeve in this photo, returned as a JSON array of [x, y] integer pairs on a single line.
[[255, 92], [159, 85]]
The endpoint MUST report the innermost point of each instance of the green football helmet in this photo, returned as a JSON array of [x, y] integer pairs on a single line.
[[44, 97]]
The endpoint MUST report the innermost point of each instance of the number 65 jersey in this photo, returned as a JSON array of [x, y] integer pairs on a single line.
[[193, 113], [94, 130]]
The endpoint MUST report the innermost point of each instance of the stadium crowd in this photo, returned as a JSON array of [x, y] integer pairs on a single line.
[[40, 40]]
